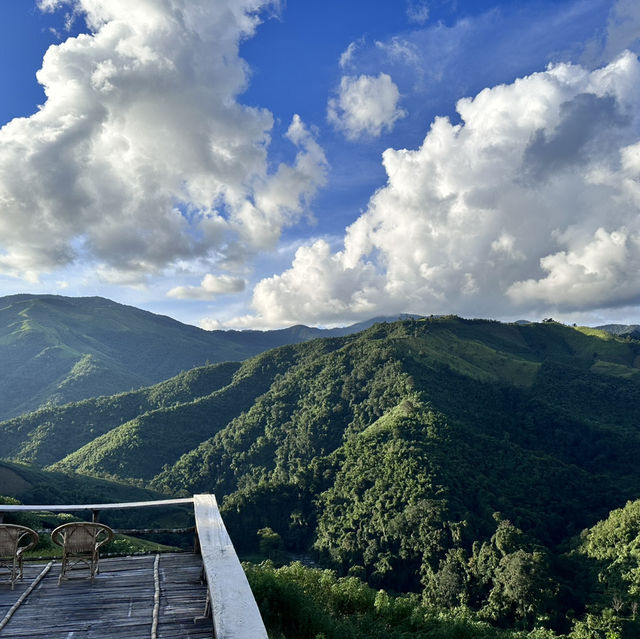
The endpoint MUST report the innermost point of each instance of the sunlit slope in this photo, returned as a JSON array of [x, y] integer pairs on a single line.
[[374, 447], [57, 349], [141, 447], [49, 434], [472, 371], [469, 370], [382, 448]]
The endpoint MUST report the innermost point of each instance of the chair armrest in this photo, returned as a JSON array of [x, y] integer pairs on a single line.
[[56, 538], [34, 538], [107, 539]]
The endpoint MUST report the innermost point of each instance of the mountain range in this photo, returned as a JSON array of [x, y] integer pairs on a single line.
[[294, 420], [56, 349]]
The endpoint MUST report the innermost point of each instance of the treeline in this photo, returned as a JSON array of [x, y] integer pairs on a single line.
[[309, 603], [525, 590], [508, 587]]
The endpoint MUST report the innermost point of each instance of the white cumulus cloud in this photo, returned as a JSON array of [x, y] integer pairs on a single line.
[[210, 287], [142, 157], [604, 269], [530, 202], [365, 105]]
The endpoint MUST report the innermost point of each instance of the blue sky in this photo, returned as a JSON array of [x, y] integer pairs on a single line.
[[247, 163]]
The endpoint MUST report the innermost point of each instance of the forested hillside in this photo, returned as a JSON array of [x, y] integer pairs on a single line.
[[51, 433], [55, 349], [60, 349], [459, 459]]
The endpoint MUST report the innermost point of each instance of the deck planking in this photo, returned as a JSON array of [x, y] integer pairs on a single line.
[[119, 603]]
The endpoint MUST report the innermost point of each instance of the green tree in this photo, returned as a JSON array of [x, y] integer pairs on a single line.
[[521, 587], [270, 543]]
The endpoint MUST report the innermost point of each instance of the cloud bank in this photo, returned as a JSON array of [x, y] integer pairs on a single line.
[[531, 202], [623, 28], [142, 158]]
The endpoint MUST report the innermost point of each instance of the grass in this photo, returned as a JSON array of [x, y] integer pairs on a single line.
[[474, 359], [615, 370]]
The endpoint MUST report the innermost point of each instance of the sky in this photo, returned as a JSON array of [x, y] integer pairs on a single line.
[[262, 163]]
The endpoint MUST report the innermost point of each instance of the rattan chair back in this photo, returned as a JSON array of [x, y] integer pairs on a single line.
[[12, 548], [81, 541]]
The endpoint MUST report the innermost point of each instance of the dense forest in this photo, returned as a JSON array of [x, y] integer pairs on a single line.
[[460, 478]]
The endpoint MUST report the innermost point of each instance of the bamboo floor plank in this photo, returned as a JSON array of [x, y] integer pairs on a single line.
[[119, 603]]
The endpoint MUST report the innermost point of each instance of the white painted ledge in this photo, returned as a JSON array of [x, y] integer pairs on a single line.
[[233, 606]]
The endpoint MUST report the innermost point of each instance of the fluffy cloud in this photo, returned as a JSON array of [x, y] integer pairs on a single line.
[[365, 105], [141, 157], [531, 202], [605, 269], [347, 55], [280, 198], [210, 287]]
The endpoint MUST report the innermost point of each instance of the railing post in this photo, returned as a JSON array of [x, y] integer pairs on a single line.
[[196, 543]]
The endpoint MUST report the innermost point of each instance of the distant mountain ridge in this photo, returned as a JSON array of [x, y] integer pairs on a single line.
[[56, 349], [622, 330]]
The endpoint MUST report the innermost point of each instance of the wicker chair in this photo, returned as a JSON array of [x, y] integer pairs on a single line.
[[80, 541], [12, 548]]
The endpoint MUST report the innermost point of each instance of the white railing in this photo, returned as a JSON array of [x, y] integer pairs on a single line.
[[94, 508], [233, 606]]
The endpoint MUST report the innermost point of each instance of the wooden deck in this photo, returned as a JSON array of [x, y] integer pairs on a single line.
[[119, 603]]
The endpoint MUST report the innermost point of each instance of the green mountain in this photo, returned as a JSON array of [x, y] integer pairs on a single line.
[[622, 330], [461, 459], [489, 416], [30, 485], [458, 458], [438, 421], [34, 486], [49, 434], [57, 349]]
